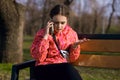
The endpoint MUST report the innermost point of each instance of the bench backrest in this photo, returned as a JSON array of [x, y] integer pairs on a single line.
[[100, 43]]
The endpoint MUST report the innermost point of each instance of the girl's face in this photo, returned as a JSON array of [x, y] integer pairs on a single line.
[[59, 22]]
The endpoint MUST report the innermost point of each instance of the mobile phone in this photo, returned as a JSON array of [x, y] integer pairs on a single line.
[[51, 30]]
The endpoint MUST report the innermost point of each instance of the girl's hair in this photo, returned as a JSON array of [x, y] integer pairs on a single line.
[[59, 9]]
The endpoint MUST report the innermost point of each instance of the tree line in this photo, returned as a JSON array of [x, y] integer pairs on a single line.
[[86, 16]]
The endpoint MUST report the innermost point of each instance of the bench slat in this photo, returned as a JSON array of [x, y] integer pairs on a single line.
[[101, 46], [98, 61]]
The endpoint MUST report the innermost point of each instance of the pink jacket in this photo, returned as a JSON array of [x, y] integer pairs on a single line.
[[45, 51]]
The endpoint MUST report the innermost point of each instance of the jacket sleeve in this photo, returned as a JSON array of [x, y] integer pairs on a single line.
[[74, 52], [39, 48]]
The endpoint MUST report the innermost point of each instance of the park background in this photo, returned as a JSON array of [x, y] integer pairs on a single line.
[[21, 19]]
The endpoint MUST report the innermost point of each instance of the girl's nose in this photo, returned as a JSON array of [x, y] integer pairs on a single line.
[[59, 25]]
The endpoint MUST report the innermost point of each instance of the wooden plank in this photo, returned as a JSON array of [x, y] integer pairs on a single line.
[[98, 61], [101, 46]]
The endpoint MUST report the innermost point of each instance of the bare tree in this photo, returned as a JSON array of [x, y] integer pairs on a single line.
[[95, 7], [110, 17], [33, 16], [11, 31], [117, 10]]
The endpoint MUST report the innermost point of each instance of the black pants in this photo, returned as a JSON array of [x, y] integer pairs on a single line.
[[62, 71]]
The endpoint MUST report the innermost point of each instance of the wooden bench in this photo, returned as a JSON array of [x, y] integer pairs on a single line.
[[98, 43]]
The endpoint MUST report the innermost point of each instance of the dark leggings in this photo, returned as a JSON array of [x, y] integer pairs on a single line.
[[62, 71]]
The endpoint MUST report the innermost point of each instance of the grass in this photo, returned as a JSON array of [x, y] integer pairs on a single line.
[[5, 71], [87, 73], [26, 48], [90, 73]]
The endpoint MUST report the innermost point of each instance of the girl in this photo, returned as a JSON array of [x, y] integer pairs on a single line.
[[50, 64]]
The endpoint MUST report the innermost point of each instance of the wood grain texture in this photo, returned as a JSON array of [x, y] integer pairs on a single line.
[[98, 61], [101, 46], [105, 61]]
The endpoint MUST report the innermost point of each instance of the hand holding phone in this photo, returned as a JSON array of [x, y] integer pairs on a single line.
[[49, 29]]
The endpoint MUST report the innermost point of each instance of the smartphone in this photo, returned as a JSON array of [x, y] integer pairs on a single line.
[[51, 29]]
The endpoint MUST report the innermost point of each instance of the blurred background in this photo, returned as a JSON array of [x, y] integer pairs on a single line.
[[87, 16], [21, 19]]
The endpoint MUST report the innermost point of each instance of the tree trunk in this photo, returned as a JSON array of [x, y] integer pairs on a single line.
[[11, 31]]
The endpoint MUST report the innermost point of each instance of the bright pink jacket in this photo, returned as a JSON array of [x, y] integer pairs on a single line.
[[45, 51]]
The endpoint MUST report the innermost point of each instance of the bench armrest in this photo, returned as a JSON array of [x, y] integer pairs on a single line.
[[17, 67]]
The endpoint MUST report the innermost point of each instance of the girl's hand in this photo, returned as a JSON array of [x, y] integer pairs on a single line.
[[47, 29], [79, 42], [82, 41], [48, 26]]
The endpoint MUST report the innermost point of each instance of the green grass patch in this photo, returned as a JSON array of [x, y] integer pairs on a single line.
[[114, 30], [26, 48], [5, 71], [92, 73]]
